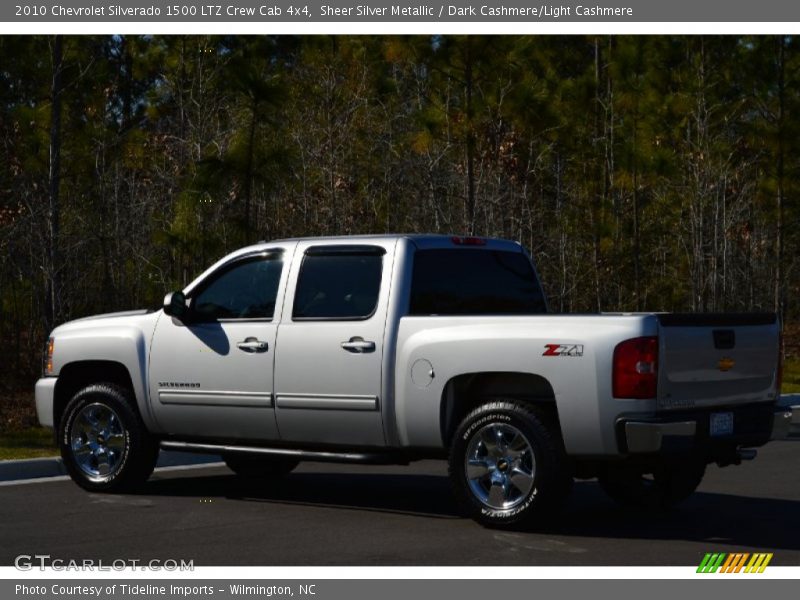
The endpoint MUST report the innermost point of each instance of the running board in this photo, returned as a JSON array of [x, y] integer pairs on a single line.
[[310, 455]]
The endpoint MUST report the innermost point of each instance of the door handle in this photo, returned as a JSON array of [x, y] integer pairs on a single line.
[[358, 345], [252, 344]]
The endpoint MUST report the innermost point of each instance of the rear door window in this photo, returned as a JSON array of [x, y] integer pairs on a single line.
[[338, 283]]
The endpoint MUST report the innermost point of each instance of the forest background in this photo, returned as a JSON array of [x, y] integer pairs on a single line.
[[655, 173]]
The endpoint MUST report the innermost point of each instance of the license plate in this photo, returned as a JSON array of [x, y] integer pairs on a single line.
[[721, 424]]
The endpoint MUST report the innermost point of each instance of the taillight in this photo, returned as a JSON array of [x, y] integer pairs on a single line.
[[635, 369]]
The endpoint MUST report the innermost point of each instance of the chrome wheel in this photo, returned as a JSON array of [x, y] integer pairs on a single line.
[[500, 466], [97, 441]]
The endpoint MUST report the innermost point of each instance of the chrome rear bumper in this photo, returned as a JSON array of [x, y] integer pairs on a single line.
[[649, 437], [662, 434]]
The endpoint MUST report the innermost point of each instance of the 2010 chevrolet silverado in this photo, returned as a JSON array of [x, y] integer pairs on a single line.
[[395, 348]]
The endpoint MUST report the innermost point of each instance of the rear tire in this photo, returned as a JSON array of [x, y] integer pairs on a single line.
[[657, 487], [507, 464], [104, 444], [260, 467]]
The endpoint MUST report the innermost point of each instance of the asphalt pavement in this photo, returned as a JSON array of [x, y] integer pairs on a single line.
[[52, 466], [324, 514]]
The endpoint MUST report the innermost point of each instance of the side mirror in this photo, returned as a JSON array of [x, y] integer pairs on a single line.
[[175, 305]]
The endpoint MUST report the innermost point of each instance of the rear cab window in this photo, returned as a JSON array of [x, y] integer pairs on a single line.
[[456, 281]]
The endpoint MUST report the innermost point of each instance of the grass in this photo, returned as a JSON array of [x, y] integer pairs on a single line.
[[33, 442], [20, 434], [791, 376]]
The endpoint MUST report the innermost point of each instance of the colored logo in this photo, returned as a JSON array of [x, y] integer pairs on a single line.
[[737, 562], [563, 350], [725, 364]]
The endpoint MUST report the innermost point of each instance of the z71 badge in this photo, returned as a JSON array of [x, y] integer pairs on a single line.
[[563, 350]]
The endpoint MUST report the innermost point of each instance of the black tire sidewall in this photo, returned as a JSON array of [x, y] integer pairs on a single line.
[[138, 452], [545, 455]]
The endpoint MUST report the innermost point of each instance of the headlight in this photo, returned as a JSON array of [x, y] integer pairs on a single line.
[[48, 357]]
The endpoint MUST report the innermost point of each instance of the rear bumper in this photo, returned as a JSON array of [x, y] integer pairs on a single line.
[[688, 431], [45, 393]]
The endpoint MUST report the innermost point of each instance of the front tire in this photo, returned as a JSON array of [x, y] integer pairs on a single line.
[[507, 464], [104, 444], [657, 487]]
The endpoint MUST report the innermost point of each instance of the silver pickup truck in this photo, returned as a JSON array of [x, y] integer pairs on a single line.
[[389, 349]]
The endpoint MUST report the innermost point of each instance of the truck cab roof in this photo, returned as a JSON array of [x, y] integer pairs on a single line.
[[420, 240]]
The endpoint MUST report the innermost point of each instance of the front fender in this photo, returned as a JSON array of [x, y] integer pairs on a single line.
[[123, 343]]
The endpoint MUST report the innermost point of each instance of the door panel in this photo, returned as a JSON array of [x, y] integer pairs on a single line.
[[328, 365], [205, 386], [211, 375], [324, 393]]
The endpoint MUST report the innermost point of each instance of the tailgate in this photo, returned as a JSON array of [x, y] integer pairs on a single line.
[[717, 359]]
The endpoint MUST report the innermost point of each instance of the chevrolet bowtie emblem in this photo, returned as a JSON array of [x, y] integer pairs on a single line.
[[725, 364]]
